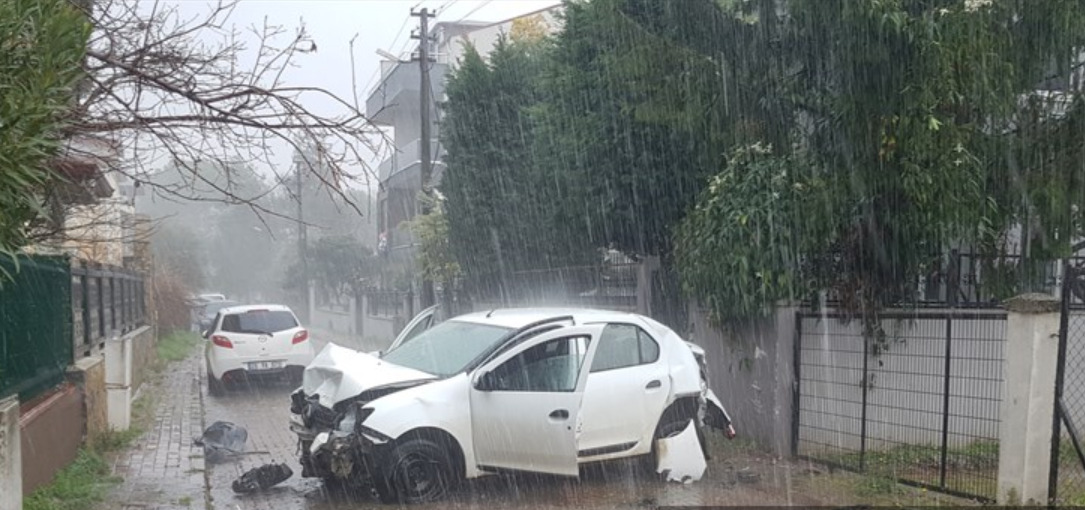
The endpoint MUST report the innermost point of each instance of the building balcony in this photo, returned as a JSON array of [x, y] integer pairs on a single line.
[[406, 157], [397, 94]]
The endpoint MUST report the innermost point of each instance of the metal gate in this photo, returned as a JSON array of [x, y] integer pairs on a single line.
[[1067, 483], [917, 402]]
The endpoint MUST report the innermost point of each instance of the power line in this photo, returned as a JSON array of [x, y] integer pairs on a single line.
[[376, 72], [483, 4]]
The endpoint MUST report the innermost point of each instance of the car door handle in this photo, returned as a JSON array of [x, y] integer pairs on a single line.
[[653, 385], [559, 414]]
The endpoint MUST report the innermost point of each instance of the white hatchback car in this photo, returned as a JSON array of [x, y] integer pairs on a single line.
[[536, 390], [255, 340]]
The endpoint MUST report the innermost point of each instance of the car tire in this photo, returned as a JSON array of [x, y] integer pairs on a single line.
[[418, 471], [215, 387]]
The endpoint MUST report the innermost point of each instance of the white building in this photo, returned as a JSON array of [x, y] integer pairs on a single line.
[[395, 103]]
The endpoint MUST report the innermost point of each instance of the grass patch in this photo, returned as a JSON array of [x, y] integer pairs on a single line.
[[79, 486], [177, 345], [113, 440], [977, 456]]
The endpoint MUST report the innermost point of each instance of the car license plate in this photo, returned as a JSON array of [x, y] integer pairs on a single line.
[[265, 365]]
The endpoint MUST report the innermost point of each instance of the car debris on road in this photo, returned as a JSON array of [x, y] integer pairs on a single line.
[[221, 440], [679, 458], [262, 478]]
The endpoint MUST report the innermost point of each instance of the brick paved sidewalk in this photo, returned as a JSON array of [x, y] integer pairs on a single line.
[[162, 470]]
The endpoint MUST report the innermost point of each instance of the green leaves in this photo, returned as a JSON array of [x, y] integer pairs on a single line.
[[41, 49], [739, 250]]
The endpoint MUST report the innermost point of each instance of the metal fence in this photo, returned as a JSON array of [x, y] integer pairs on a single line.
[[919, 404], [106, 302], [55, 311], [610, 286], [390, 303], [1067, 482], [971, 280], [35, 341]]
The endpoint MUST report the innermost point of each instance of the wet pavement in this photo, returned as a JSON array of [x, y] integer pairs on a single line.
[[165, 471]]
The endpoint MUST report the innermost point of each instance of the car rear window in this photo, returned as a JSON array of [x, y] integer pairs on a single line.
[[259, 321]]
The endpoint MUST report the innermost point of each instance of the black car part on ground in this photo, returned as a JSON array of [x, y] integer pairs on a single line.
[[262, 478]]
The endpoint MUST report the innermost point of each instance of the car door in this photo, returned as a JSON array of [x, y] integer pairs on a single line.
[[525, 403], [420, 323], [627, 389]]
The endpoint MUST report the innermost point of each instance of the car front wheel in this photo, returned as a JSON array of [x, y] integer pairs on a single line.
[[418, 471]]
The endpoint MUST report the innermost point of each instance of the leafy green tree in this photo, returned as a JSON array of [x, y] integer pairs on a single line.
[[909, 119], [434, 253], [503, 212], [340, 265], [632, 122], [42, 43]]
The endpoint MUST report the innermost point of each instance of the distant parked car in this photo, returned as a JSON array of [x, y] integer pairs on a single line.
[[211, 297], [207, 312], [255, 340]]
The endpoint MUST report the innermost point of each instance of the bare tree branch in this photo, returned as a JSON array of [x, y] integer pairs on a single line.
[[165, 89]]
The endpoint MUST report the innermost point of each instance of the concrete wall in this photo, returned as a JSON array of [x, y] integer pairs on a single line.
[[750, 369], [51, 433], [340, 321], [88, 375]]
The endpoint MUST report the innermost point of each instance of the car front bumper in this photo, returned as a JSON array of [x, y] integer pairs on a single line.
[[351, 457]]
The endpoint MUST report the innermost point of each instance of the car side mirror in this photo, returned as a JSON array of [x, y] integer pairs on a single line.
[[486, 382], [205, 333]]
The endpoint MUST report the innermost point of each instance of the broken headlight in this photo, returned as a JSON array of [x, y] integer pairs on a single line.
[[354, 416]]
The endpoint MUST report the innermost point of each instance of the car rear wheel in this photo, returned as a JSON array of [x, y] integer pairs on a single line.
[[419, 471], [215, 387]]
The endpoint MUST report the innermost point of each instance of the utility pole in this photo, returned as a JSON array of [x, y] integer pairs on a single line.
[[428, 297], [303, 241]]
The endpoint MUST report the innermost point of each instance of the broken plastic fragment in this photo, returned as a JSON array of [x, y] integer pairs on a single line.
[[680, 457], [262, 478]]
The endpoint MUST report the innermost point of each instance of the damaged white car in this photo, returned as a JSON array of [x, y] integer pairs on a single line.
[[535, 390]]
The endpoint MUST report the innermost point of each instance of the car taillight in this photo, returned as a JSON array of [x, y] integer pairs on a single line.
[[222, 341], [300, 336]]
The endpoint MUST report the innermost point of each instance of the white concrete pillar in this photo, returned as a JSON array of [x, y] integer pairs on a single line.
[[645, 272], [1028, 399], [118, 382], [353, 309], [11, 465]]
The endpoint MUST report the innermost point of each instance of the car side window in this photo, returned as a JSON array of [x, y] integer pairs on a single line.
[[552, 366], [624, 345]]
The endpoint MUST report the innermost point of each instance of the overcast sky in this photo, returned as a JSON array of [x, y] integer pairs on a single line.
[[378, 24]]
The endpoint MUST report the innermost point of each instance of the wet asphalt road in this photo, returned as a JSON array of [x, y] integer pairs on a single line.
[[263, 408]]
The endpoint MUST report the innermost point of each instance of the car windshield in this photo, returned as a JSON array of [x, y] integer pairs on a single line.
[[447, 348], [259, 321]]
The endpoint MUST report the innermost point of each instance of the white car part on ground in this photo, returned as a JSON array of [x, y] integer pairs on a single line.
[[679, 458]]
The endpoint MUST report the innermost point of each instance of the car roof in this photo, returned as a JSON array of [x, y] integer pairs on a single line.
[[250, 308], [515, 318]]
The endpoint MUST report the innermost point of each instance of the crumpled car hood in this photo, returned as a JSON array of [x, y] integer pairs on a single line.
[[338, 373]]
